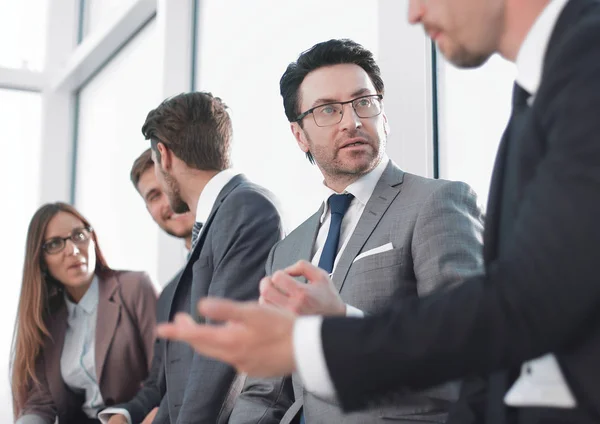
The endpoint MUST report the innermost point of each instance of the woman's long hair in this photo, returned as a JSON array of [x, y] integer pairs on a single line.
[[40, 295]]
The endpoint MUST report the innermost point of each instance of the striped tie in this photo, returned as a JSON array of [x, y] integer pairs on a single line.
[[195, 232]]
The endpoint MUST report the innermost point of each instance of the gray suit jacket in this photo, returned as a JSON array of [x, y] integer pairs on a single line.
[[228, 261], [435, 229]]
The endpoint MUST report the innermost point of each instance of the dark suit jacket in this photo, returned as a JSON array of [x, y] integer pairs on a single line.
[[228, 261], [124, 341], [154, 387], [540, 292]]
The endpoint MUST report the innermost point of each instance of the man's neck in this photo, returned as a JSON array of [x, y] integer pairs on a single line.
[[340, 184], [519, 18], [188, 242]]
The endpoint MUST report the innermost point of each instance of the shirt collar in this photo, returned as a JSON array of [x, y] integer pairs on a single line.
[[530, 59], [88, 303], [361, 189], [211, 191]]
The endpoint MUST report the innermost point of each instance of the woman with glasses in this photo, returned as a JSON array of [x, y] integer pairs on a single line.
[[84, 332]]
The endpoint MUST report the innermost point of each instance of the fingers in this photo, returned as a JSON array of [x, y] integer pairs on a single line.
[[285, 283], [274, 297], [208, 340], [182, 327], [223, 309], [308, 271]]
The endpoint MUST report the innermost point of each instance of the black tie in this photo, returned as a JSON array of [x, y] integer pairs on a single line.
[[520, 97], [500, 382], [338, 205], [195, 232]]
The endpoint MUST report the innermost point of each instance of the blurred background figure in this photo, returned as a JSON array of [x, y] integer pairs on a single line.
[[84, 332]]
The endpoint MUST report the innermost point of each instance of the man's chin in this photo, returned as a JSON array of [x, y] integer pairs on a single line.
[[179, 233], [359, 167]]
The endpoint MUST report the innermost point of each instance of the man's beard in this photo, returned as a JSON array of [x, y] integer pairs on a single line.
[[174, 194]]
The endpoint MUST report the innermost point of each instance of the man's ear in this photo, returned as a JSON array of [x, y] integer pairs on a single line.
[[300, 136], [165, 156], [386, 125]]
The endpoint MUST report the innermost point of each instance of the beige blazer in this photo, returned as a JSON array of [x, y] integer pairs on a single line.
[[125, 333]]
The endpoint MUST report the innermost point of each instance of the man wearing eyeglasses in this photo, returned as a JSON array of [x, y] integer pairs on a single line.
[[379, 231]]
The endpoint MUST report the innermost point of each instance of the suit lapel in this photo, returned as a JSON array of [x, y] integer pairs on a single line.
[[304, 246], [385, 192], [107, 319], [490, 230], [229, 187], [52, 353]]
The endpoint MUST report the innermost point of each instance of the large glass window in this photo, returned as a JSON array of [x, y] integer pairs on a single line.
[[474, 106], [20, 120], [241, 60], [112, 109], [23, 33], [98, 14]]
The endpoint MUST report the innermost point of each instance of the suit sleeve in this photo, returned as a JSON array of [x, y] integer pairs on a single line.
[[145, 314], [447, 238], [152, 390], [538, 296], [248, 225], [39, 407], [150, 393], [263, 400]]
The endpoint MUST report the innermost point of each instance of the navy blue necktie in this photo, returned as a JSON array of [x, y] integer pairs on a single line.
[[338, 205]]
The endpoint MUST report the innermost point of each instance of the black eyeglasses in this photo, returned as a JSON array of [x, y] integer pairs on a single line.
[[79, 236], [332, 113]]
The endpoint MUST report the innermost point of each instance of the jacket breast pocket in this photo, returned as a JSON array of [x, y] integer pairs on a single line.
[[377, 261], [372, 280]]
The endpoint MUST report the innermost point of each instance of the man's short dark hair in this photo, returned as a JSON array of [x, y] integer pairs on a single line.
[[143, 163], [196, 127], [327, 53]]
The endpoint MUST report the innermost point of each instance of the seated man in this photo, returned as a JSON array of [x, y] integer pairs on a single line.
[[144, 405], [236, 225]]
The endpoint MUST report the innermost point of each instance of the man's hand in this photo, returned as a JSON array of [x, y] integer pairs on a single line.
[[117, 419], [255, 339], [318, 297], [150, 417]]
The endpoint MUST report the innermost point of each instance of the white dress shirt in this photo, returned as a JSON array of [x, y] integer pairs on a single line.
[[77, 361], [209, 195], [206, 201], [308, 348], [541, 383]]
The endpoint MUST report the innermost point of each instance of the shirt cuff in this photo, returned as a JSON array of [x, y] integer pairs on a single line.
[[105, 414], [310, 358], [351, 311], [30, 419]]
